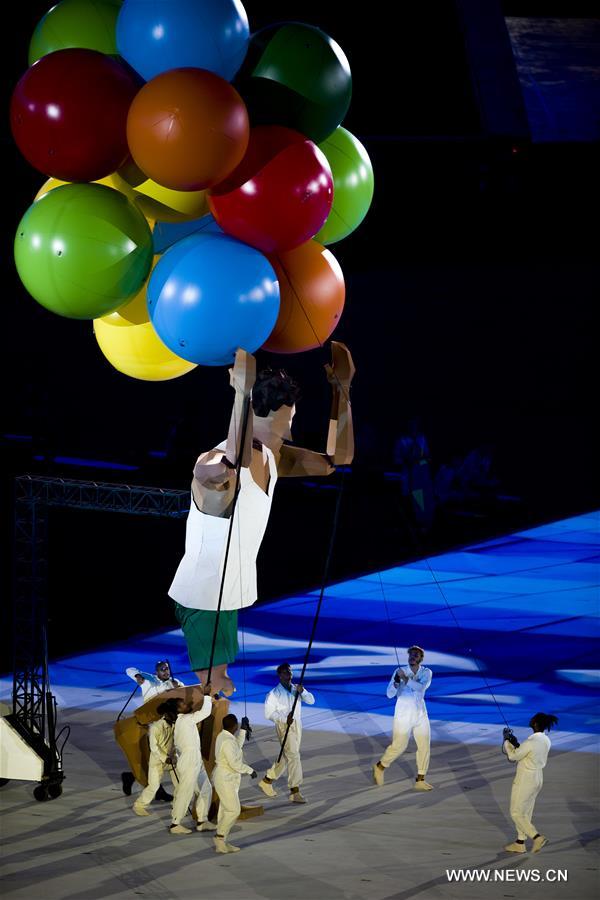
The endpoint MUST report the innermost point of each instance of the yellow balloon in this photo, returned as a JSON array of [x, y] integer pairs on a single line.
[[137, 351], [136, 311], [159, 202], [109, 180]]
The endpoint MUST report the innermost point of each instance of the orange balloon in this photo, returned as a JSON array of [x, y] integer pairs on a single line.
[[312, 294], [187, 129]]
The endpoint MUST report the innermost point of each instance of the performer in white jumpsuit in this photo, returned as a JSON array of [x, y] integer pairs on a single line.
[[151, 686], [161, 754], [191, 777], [531, 757], [278, 708], [408, 684], [227, 776]]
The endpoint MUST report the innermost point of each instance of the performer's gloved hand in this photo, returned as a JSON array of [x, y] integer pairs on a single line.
[[397, 678], [510, 737], [290, 718], [246, 727], [254, 774]]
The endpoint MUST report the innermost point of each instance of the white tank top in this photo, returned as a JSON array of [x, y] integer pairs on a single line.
[[197, 581]]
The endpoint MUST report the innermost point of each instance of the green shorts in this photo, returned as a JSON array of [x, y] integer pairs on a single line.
[[198, 627]]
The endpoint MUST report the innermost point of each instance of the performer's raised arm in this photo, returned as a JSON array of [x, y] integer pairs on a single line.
[[298, 461], [213, 485]]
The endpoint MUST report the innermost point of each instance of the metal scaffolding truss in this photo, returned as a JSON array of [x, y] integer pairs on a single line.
[[33, 497]]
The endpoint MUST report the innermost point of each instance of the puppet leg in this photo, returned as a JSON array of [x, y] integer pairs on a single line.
[[198, 627]]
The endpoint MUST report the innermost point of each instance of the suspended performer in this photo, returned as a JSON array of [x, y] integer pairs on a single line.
[[259, 428], [408, 684], [531, 757], [278, 708]]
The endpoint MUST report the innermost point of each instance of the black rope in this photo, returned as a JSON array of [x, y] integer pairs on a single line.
[[238, 470], [128, 701], [319, 604]]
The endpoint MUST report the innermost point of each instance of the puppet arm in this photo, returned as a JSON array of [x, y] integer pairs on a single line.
[[213, 485], [299, 462]]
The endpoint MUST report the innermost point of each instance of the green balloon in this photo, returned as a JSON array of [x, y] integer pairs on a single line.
[[297, 76], [82, 250], [352, 185], [87, 24]]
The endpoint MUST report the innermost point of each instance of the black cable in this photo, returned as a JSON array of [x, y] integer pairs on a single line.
[[318, 610], [238, 470]]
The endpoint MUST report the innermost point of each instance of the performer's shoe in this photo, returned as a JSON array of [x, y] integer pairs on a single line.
[[516, 848], [140, 810], [127, 780], [540, 841], [423, 786], [378, 775], [267, 788], [206, 826], [179, 829], [161, 794], [296, 797], [221, 846]]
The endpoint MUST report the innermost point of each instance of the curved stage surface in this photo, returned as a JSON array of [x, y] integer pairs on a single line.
[[527, 605]]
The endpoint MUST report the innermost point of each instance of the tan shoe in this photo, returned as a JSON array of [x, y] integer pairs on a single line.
[[540, 841], [378, 775], [221, 846], [206, 826], [516, 848], [140, 810], [179, 829], [423, 786], [296, 797], [267, 788]]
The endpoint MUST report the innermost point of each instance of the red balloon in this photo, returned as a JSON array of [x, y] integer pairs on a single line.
[[187, 129], [312, 294], [279, 195], [69, 114]]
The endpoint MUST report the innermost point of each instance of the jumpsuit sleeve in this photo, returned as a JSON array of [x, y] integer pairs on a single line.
[[241, 737], [270, 706], [132, 672], [419, 684], [392, 688], [516, 753], [307, 697], [161, 739], [203, 713], [234, 759]]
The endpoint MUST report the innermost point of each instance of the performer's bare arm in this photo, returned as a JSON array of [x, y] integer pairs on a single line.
[[213, 485], [298, 461]]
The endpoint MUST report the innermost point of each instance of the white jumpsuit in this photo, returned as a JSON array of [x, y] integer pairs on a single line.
[[531, 758], [278, 705], [161, 747], [410, 717], [227, 775], [191, 774]]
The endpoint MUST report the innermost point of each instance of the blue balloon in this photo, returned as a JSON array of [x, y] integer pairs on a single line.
[[154, 36], [210, 294], [166, 234]]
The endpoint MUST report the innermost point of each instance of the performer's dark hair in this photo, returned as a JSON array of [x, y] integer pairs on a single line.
[[544, 721], [416, 647], [282, 666], [168, 710], [273, 389], [229, 720]]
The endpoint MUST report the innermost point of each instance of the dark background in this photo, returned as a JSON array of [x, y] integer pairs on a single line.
[[471, 290]]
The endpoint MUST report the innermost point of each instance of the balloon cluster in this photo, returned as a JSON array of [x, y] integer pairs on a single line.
[[197, 174]]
